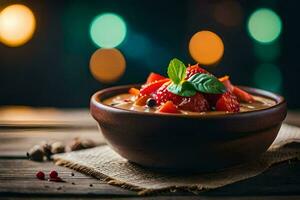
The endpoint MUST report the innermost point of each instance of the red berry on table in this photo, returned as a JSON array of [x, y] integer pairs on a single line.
[[53, 174], [196, 103], [228, 102], [163, 95], [40, 175], [195, 69]]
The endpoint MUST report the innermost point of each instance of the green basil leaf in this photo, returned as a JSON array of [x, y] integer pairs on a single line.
[[184, 89], [207, 83], [176, 71]]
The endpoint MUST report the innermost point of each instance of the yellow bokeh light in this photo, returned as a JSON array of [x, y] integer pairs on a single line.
[[107, 65], [17, 25], [206, 47]]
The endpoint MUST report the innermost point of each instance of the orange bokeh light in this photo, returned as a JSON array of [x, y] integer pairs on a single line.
[[206, 47], [17, 25], [107, 65]]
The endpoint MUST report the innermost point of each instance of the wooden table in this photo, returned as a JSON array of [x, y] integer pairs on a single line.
[[22, 127]]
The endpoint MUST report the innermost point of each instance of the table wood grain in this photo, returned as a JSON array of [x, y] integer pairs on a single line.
[[17, 174]]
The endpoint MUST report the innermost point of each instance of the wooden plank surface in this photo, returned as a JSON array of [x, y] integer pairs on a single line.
[[17, 175], [16, 142]]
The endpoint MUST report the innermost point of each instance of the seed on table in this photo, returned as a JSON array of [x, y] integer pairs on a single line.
[[91, 185], [36, 153], [46, 147], [72, 174], [57, 147]]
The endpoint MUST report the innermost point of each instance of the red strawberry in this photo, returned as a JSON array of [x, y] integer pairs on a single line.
[[196, 103], [194, 69], [154, 77], [163, 95], [228, 102], [212, 99]]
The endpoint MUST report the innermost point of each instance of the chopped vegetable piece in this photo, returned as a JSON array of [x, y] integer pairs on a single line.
[[152, 87], [141, 101], [134, 91], [225, 80], [243, 95], [154, 77], [169, 107]]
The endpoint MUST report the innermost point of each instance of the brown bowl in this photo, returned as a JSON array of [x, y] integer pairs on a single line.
[[187, 142]]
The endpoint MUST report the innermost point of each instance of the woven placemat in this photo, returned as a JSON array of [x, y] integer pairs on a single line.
[[103, 163]]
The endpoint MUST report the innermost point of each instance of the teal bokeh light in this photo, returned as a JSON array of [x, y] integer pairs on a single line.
[[108, 30], [268, 77], [264, 25], [267, 52]]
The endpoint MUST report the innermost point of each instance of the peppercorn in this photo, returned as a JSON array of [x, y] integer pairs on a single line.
[[53, 174], [40, 175], [36, 153], [151, 102], [57, 147]]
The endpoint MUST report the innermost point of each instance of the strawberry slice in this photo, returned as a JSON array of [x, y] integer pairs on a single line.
[[196, 103], [195, 69], [228, 102], [242, 95], [150, 88], [168, 107], [154, 77]]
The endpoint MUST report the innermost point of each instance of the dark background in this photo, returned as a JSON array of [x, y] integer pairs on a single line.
[[52, 68]]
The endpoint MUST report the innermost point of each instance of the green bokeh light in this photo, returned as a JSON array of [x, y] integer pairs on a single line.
[[264, 25], [267, 52], [268, 76], [108, 30]]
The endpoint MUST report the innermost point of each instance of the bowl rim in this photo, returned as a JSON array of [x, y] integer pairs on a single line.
[[95, 101]]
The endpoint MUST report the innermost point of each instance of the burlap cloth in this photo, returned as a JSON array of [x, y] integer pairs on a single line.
[[103, 163]]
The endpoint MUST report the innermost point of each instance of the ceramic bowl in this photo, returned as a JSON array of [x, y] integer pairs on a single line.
[[177, 142]]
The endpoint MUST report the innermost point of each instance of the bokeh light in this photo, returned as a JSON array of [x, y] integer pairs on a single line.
[[228, 12], [269, 77], [108, 30], [137, 46], [264, 25], [267, 52], [107, 65], [17, 25], [206, 47]]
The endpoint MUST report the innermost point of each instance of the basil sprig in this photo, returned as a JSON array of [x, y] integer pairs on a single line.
[[204, 83]]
